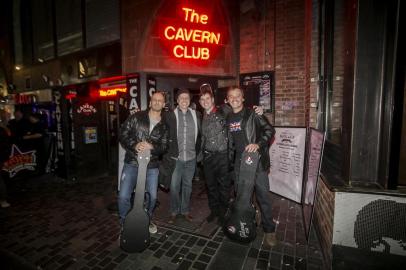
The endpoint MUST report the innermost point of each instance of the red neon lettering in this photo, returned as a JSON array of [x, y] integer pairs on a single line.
[[167, 30], [192, 16], [111, 92], [194, 35], [192, 52]]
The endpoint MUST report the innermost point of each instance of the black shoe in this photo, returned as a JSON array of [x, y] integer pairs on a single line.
[[211, 217]]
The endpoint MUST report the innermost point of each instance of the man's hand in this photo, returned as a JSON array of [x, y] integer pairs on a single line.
[[142, 146], [251, 148], [258, 110]]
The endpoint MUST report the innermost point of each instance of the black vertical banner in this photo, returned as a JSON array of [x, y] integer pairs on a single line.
[[133, 97], [64, 138], [151, 88]]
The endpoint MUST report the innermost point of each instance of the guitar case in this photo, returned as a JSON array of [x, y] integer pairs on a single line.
[[240, 224], [135, 233]]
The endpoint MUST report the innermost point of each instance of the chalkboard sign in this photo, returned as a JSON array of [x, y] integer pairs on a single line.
[[264, 80]]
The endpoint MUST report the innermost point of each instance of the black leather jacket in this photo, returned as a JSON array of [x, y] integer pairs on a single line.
[[257, 130], [136, 129]]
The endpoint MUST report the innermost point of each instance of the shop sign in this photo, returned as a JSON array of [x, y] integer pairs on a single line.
[[19, 161], [25, 99], [111, 92], [86, 109], [193, 33]]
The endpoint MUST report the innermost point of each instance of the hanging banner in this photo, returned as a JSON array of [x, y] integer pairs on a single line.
[[314, 156], [151, 88], [287, 155], [133, 96]]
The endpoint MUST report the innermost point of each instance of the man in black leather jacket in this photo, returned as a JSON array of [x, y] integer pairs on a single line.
[[142, 130], [251, 132]]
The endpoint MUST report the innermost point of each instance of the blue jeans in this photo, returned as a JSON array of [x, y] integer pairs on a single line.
[[128, 182], [182, 181]]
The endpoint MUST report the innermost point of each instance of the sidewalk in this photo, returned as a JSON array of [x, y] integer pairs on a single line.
[[53, 225]]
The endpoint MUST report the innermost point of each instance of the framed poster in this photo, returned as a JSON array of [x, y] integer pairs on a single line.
[[265, 81], [287, 155], [90, 135], [314, 156]]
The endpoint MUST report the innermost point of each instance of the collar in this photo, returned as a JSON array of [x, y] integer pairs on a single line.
[[212, 110]]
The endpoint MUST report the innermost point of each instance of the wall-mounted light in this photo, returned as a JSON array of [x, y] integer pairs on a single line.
[[40, 60], [45, 78], [17, 67]]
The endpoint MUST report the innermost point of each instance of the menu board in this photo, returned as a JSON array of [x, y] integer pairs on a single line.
[[315, 152], [265, 82], [287, 154]]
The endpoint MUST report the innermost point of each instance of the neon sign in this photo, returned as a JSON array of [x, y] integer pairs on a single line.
[[86, 109], [111, 92], [192, 43]]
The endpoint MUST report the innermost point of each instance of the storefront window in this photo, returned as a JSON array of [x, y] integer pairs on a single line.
[[68, 26], [337, 62], [102, 22], [42, 28], [335, 91]]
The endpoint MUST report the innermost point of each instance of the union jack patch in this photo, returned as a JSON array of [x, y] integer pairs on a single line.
[[235, 126]]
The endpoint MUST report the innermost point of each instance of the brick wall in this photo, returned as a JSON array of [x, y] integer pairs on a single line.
[[272, 37], [323, 218], [314, 65]]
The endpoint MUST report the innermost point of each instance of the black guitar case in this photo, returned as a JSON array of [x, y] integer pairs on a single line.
[[240, 224], [135, 234]]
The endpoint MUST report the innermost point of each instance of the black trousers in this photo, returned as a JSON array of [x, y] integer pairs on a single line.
[[215, 166], [261, 189]]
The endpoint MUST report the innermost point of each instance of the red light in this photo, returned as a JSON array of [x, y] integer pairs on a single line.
[[111, 92]]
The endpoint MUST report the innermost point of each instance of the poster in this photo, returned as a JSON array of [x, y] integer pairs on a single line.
[[90, 134], [287, 155], [314, 156], [265, 81]]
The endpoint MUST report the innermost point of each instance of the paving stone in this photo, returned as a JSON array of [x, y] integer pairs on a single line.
[[204, 258], [159, 253], [184, 265], [212, 244], [76, 233], [183, 250], [253, 253], [172, 251], [209, 251], [199, 266], [201, 242], [191, 256], [262, 265], [264, 254]]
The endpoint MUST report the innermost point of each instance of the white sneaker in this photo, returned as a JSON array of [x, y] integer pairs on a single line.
[[153, 228], [4, 204]]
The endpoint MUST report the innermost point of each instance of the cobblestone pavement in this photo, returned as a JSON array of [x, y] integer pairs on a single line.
[[55, 225]]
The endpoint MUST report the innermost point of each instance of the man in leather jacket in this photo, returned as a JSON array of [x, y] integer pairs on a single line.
[[215, 153], [141, 131], [250, 132]]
